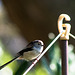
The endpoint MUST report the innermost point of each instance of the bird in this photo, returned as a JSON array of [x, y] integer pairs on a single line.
[[30, 52]]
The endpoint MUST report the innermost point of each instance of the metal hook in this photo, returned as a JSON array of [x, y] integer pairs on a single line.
[[66, 31]]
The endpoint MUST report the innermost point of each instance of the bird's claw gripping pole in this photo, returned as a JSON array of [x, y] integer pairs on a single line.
[[64, 41]]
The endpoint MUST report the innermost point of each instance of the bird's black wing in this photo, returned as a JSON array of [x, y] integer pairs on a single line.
[[24, 50]]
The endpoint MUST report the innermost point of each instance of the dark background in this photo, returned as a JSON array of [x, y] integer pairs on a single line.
[[37, 18]]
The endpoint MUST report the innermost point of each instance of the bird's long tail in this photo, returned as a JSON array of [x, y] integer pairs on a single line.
[[9, 62]]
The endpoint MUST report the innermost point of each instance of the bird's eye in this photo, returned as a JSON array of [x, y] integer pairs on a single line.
[[39, 43]]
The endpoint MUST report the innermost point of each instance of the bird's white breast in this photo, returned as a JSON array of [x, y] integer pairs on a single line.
[[30, 55]]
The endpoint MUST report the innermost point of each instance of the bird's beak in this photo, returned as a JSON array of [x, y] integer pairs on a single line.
[[42, 45]]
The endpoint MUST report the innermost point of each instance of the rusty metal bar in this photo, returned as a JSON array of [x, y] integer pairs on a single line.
[[64, 56]]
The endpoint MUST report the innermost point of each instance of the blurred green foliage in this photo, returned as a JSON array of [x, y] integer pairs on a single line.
[[5, 56]]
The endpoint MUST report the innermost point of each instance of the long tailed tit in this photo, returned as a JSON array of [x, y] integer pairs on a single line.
[[32, 51]]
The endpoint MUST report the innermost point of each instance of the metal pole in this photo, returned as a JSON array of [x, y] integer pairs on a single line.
[[64, 41], [64, 56]]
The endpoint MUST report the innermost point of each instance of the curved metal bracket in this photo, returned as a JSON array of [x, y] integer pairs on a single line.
[[61, 26]]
